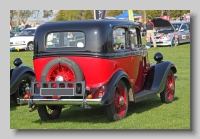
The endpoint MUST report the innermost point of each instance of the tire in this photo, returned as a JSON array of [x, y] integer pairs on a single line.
[[116, 111], [45, 115], [25, 81], [167, 95], [175, 42], [30, 46]]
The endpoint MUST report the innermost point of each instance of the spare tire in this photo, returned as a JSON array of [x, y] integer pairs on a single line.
[[65, 67]]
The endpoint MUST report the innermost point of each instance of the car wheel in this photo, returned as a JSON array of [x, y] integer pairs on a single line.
[[167, 95], [118, 108], [25, 81], [30, 46], [175, 42], [49, 112]]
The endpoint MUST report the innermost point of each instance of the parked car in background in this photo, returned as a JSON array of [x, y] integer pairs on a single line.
[[95, 63], [24, 40], [171, 33], [12, 34]]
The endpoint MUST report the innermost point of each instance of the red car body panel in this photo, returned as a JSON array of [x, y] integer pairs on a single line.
[[101, 70]]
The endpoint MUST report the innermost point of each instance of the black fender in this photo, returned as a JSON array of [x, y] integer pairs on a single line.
[[111, 86], [15, 75], [157, 75]]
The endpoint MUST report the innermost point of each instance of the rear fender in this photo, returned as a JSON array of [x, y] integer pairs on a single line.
[[15, 76], [109, 94], [157, 75]]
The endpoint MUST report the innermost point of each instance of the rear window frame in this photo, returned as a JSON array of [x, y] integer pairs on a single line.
[[64, 47]]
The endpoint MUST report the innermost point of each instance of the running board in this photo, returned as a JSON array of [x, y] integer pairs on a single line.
[[144, 95]]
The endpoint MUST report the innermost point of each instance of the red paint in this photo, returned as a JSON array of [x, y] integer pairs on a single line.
[[98, 71]]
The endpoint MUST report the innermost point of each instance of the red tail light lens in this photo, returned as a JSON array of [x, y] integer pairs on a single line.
[[55, 97]]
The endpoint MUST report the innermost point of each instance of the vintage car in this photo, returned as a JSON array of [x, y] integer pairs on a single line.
[[95, 63], [23, 40], [20, 78], [171, 33]]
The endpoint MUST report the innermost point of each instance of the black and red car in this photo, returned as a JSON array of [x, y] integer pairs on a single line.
[[95, 63]]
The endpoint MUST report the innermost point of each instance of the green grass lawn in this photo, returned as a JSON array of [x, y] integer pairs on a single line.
[[148, 114]]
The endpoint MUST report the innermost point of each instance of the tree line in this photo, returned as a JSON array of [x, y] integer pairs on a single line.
[[21, 16], [64, 15]]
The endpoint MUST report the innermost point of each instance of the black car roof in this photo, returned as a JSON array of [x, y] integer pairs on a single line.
[[102, 40]]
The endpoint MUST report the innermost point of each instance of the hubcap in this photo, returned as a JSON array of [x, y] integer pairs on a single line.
[[61, 72], [175, 42], [120, 101], [170, 87], [30, 47]]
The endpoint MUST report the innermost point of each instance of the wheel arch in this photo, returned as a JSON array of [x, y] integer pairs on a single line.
[[157, 74], [16, 76], [109, 95], [29, 42], [129, 88]]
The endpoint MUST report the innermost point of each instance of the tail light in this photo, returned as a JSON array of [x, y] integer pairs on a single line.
[[161, 37], [176, 36], [26, 96], [55, 97]]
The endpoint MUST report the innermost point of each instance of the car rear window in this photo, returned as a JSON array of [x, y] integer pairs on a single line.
[[65, 39]]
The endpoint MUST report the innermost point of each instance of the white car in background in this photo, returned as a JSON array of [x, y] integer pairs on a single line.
[[24, 40]]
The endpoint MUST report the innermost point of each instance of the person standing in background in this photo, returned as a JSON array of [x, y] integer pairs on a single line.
[[11, 27], [150, 31], [141, 26]]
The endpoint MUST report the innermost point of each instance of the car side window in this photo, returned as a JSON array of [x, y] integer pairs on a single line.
[[185, 27], [188, 26], [120, 39], [135, 40]]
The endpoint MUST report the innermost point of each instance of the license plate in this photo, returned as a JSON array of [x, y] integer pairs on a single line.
[[57, 91]]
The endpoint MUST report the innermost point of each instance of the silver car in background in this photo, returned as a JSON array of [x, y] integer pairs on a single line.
[[171, 33]]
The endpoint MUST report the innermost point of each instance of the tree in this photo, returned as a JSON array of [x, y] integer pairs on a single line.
[[114, 13], [13, 13], [80, 13], [47, 14], [153, 13], [18, 17], [36, 14], [88, 14], [61, 16], [25, 14]]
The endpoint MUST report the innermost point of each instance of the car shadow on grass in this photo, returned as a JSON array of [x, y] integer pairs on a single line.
[[98, 114], [146, 105], [80, 115], [12, 105]]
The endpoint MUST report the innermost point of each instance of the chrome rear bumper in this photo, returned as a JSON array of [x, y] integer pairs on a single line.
[[59, 101]]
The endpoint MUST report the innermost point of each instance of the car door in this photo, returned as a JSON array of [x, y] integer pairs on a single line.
[[184, 33], [136, 58]]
